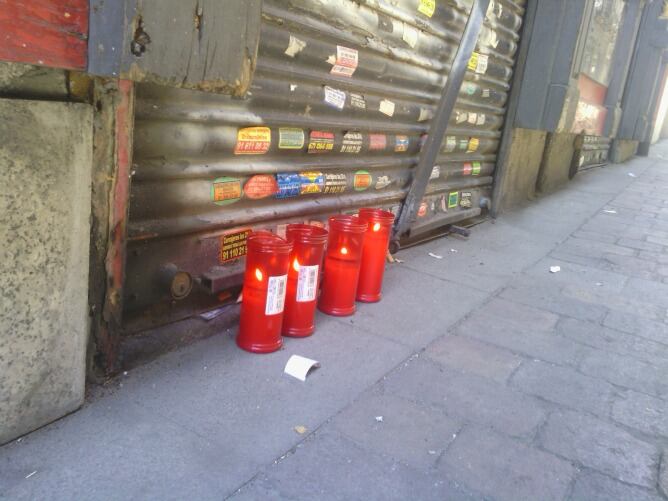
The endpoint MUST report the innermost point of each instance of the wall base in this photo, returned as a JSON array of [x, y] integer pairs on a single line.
[[45, 180]]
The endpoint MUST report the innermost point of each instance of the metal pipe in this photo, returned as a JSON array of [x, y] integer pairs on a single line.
[[442, 115]]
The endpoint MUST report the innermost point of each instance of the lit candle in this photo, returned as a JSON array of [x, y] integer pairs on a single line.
[[342, 262], [374, 253], [303, 278], [265, 278]]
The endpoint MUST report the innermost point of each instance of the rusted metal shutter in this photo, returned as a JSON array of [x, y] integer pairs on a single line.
[[341, 99], [461, 182]]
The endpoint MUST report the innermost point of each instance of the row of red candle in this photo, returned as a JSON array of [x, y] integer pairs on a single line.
[[282, 276]]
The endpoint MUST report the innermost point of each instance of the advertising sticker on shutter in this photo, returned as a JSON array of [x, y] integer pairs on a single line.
[[260, 186], [427, 7], [290, 138], [253, 141], [233, 245], [476, 169], [453, 199], [401, 143], [289, 184], [467, 169], [377, 142], [352, 142], [311, 182], [346, 61], [335, 97], [320, 141], [362, 180], [225, 190], [335, 183], [357, 101]]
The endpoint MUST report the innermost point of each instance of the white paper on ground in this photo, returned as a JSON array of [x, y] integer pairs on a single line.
[[299, 366], [609, 211], [555, 269], [435, 256], [631, 174]]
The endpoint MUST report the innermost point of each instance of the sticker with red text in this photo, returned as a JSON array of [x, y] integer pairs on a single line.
[[346, 62], [253, 141]]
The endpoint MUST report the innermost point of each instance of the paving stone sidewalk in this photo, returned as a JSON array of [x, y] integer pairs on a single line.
[[480, 375]]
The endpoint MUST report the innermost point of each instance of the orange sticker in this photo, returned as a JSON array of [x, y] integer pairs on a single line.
[[253, 141], [422, 211], [260, 186], [225, 190], [362, 180]]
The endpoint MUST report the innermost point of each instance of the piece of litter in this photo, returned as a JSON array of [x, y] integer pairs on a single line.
[[631, 174], [31, 474], [435, 256], [125, 373], [598, 284], [299, 366], [241, 297], [301, 429], [454, 250], [432, 452], [555, 269], [379, 419], [609, 211], [210, 315]]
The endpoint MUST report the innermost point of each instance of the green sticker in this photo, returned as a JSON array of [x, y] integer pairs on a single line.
[[362, 180], [225, 190], [453, 199], [476, 169], [290, 138]]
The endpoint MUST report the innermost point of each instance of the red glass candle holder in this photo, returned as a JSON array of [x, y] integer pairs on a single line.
[[342, 265], [303, 278], [374, 252], [265, 282]]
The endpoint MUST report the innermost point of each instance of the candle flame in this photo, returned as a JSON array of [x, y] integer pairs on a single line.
[[295, 265], [258, 274], [344, 251], [376, 227]]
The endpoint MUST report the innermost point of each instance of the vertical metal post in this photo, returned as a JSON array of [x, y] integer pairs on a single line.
[[440, 121]]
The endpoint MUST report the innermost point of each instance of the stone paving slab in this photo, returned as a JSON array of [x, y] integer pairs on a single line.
[[495, 379], [601, 446]]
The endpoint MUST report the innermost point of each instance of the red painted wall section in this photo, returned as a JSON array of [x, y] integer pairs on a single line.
[[590, 113], [44, 32]]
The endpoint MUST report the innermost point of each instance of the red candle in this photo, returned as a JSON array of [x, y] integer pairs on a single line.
[[265, 282], [342, 265], [379, 223], [303, 278]]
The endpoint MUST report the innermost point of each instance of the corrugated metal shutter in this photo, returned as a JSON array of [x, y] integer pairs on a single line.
[[341, 99], [460, 185]]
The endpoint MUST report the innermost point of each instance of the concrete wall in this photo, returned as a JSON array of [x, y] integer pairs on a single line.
[[522, 167], [45, 178], [622, 150], [556, 163]]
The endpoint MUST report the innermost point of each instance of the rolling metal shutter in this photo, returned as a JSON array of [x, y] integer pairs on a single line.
[[461, 183], [341, 99]]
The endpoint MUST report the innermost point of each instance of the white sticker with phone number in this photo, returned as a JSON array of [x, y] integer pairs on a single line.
[[307, 283], [275, 295]]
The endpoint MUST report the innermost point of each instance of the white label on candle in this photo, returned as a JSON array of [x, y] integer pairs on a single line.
[[307, 283], [275, 295]]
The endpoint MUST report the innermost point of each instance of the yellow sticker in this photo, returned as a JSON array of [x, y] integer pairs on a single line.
[[427, 7], [253, 141], [474, 142], [473, 62]]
